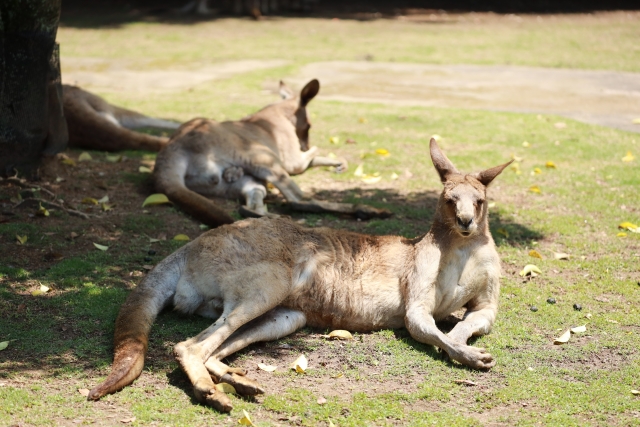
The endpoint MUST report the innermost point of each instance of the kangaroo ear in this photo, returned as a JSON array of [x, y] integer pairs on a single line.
[[285, 92], [309, 92], [488, 175], [442, 164]]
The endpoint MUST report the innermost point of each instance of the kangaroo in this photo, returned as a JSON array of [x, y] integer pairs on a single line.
[[262, 279], [94, 123], [234, 159]]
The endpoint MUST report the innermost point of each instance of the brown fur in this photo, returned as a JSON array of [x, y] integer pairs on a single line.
[[95, 124], [263, 279]]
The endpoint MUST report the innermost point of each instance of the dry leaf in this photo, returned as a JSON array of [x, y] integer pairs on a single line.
[[334, 140], [22, 239], [69, 162], [300, 364], [382, 152], [537, 171], [535, 254], [152, 240], [73, 234], [182, 237], [629, 157], [516, 168], [155, 199], [629, 227], [105, 207], [560, 125], [560, 255], [226, 388], [268, 368], [468, 383], [128, 420], [42, 211], [503, 231], [578, 329], [531, 270], [362, 120], [550, 165], [147, 267], [246, 420], [359, 170], [564, 338], [371, 179], [89, 201], [84, 391], [340, 334], [114, 159], [525, 144], [101, 247], [3, 345], [144, 169], [621, 235], [84, 157], [535, 189], [321, 401], [105, 199], [393, 176], [635, 392]]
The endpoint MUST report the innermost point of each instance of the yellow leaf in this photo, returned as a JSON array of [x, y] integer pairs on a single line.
[[300, 364], [382, 152], [334, 140], [268, 368], [340, 334], [89, 201], [436, 137], [629, 157], [106, 207], [183, 237], [155, 199], [525, 144], [564, 338], [516, 168], [491, 205], [69, 162], [393, 176], [371, 179], [101, 247], [144, 169], [114, 159], [550, 165], [535, 254], [579, 329], [628, 226], [359, 170], [362, 120], [42, 211], [84, 157], [516, 158], [634, 392], [226, 388], [502, 231], [621, 235], [22, 239], [105, 199], [537, 171], [530, 269], [560, 255], [332, 156], [246, 419], [535, 189]]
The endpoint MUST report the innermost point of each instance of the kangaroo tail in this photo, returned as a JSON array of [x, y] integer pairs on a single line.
[[169, 172], [134, 321]]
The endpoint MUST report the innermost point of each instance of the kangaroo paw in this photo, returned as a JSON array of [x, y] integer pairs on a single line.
[[214, 398], [244, 386]]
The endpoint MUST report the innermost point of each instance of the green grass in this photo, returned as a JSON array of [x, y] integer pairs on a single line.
[[62, 341]]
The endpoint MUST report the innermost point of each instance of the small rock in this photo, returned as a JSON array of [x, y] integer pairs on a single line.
[[551, 300], [577, 307], [533, 308], [151, 252]]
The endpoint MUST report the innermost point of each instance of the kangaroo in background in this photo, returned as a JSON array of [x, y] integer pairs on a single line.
[[235, 159], [262, 279], [95, 124]]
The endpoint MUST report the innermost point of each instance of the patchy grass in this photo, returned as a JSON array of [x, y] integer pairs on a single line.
[[61, 340]]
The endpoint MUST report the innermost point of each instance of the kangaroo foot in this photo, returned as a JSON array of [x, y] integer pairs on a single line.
[[213, 397], [247, 212], [244, 386]]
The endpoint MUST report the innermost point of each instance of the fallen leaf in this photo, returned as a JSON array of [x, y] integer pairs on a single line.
[[382, 152], [362, 120], [84, 157], [537, 171], [127, 420], [147, 267], [564, 338], [300, 364], [578, 329], [69, 162], [516, 158], [246, 419], [89, 201], [535, 254], [58, 179], [226, 388], [550, 165], [268, 368], [635, 392], [155, 199], [560, 125], [621, 235], [525, 144], [340, 334], [535, 189], [629, 227], [321, 401], [560, 255], [516, 168], [105, 207], [350, 141], [588, 315], [393, 176], [101, 247], [43, 290], [491, 205], [629, 157], [114, 159], [503, 231], [359, 170], [331, 424], [152, 240], [105, 199], [42, 211], [3, 345], [182, 237], [334, 140], [144, 169], [468, 383], [22, 239], [84, 391], [371, 179], [73, 235], [530, 269]]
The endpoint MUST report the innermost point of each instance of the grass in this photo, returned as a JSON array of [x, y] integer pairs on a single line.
[[61, 341]]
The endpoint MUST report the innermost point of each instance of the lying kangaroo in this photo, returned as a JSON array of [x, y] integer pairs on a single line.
[[234, 159], [264, 279], [94, 123]]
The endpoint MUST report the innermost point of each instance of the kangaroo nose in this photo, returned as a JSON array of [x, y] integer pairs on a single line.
[[465, 223]]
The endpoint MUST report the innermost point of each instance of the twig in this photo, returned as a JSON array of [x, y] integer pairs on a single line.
[[19, 182], [55, 205]]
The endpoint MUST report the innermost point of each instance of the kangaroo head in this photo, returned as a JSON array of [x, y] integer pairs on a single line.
[[462, 206], [299, 118]]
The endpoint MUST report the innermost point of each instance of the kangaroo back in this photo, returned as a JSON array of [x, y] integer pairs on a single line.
[[134, 322]]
